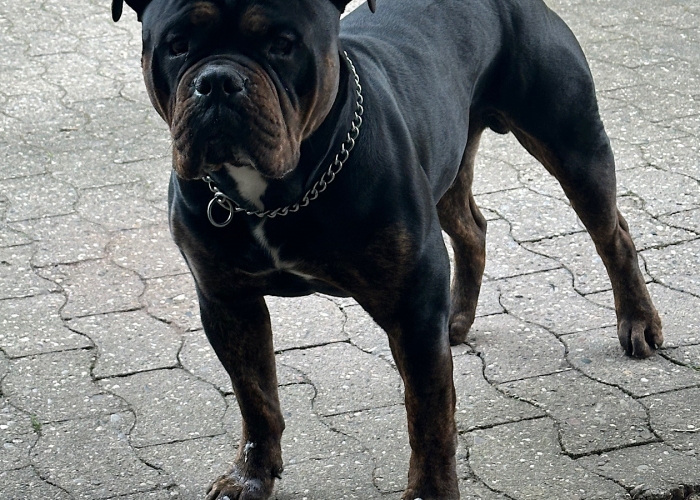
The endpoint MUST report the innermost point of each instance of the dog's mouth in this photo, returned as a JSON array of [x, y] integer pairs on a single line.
[[231, 113]]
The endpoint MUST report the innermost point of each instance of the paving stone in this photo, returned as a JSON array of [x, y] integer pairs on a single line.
[[170, 405], [611, 76], [479, 404], [95, 287], [23, 76], [148, 251], [663, 192], [504, 148], [676, 266], [129, 342], [598, 355], [689, 220], [17, 436], [99, 206], [346, 379], [305, 321], [591, 416], [549, 300], [532, 216], [680, 315], [675, 420], [198, 358], [117, 117], [116, 161], [384, 434], [173, 299], [193, 464], [25, 483], [92, 168], [21, 160], [630, 124], [493, 175], [513, 350], [64, 239], [489, 299], [43, 122], [689, 125], [340, 477], [470, 489], [578, 254], [648, 231], [57, 386], [627, 156], [534, 177], [156, 177], [4, 365], [77, 76], [654, 470], [689, 356], [365, 334], [17, 279], [46, 43], [91, 458], [306, 437], [657, 103], [505, 258], [681, 156], [9, 237], [37, 196], [523, 460], [33, 326]]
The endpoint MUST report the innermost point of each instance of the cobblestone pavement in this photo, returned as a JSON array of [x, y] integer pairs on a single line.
[[110, 390]]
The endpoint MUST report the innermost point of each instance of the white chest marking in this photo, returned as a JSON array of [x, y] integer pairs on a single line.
[[259, 234], [250, 184]]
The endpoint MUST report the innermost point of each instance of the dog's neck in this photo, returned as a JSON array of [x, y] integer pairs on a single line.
[[252, 191]]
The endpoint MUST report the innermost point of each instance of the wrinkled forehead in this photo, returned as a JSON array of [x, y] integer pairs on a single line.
[[247, 17]]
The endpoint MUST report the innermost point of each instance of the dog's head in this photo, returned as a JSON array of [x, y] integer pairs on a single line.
[[239, 82]]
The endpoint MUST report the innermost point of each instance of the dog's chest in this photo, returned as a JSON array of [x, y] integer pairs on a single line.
[[249, 184], [273, 252]]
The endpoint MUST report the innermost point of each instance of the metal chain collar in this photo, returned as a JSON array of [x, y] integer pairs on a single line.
[[319, 186]]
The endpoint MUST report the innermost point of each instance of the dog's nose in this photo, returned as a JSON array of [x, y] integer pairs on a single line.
[[218, 82]]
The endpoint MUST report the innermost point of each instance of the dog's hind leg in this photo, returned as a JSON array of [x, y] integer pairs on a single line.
[[555, 116], [463, 222]]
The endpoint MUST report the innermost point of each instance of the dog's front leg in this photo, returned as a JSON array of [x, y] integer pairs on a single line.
[[417, 326], [240, 333], [425, 363]]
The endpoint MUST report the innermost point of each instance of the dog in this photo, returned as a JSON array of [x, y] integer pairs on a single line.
[[311, 155]]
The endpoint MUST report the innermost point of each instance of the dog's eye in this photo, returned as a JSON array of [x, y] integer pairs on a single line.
[[283, 44], [179, 46]]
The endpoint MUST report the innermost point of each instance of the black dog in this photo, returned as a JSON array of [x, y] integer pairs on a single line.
[[265, 109]]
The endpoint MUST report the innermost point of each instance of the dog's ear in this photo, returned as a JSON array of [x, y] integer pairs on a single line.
[[341, 4], [138, 5]]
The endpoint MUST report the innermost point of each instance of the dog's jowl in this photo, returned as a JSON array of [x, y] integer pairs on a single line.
[[314, 155]]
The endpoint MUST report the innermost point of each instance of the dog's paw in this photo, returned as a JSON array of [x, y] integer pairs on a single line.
[[233, 487], [459, 328], [640, 338]]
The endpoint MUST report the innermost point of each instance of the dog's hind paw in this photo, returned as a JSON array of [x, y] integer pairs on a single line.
[[640, 337], [459, 328]]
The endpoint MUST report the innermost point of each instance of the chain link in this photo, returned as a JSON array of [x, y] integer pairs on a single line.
[[319, 186]]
